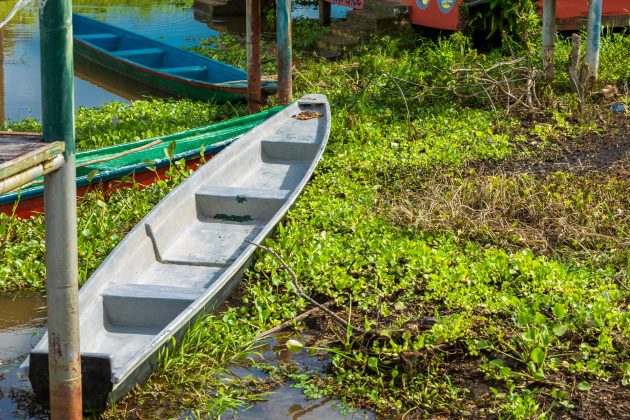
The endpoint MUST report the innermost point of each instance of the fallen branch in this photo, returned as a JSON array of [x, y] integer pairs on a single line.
[[301, 293], [289, 322]]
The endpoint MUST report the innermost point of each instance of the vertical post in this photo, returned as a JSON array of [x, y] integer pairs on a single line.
[[253, 55], [548, 38], [64, 361], [324, 13], [283, 28], [2, 114], [592, 40]]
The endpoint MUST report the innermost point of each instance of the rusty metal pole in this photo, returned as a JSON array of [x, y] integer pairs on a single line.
[[253, 56], [548, 38], [283, 28], [60, 197], [324, 13]]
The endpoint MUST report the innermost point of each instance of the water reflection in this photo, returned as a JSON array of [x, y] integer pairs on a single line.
[[112, 82], [175, 23], [286, 402], [22, 319]]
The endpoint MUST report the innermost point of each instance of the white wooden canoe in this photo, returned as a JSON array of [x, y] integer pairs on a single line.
[[188, 253]]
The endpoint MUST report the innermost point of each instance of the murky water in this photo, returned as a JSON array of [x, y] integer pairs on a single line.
[[286, 402], [22, 320], [174, 23]]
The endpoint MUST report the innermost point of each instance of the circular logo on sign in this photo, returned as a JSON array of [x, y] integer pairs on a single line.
[[446, 5], [423, 4]]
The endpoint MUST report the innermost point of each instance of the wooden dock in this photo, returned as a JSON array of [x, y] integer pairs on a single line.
[[24, 158]]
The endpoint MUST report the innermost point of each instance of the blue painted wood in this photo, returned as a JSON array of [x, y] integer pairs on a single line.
[[155, 63], [593, 38]]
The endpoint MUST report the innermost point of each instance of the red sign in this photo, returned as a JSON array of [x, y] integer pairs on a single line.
[[355, 4]]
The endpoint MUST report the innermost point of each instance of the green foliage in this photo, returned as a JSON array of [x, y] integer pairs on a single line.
[[117, 122], [498, 17], [231, 48], [611, 69], [102, 221]]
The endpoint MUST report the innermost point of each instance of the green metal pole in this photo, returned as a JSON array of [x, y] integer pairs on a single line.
[[283, 29], [64, 360], [253, 55]]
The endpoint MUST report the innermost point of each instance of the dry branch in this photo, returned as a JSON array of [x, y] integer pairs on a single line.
[[300, 292]]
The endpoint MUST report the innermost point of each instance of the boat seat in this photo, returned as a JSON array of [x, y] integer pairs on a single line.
[[239, 204], [145, 305], [190, 71], [147, 56], [107, 41], [289, 150]]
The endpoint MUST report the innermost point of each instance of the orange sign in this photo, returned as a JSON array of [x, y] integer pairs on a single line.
[[355, 4]]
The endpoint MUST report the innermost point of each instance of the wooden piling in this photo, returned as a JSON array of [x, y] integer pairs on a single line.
[[324, 13]]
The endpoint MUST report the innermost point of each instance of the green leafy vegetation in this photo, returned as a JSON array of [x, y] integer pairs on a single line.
[[473, 285], [230, 48], [497, 17], [102, 220], [116, 122]]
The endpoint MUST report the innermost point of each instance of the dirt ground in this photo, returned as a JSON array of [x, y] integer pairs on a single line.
[[592, 152]]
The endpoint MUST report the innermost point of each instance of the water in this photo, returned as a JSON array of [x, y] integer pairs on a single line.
[[174, 23], [287, 402], [22, 322], [22, 318]]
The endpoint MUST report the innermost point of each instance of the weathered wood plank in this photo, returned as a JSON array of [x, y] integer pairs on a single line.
[[21, 151]]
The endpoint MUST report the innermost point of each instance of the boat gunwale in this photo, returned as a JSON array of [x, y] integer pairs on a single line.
[[267, 87]]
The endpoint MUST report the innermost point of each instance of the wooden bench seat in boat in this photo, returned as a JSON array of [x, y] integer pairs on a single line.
[[146, 56], [92, 37], [192, 72], [105, 40]]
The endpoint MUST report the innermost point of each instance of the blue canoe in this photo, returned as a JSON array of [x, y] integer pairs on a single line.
[[173, 70]]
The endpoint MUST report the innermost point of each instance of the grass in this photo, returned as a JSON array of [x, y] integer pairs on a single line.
[[481, 302], [558, 213]]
